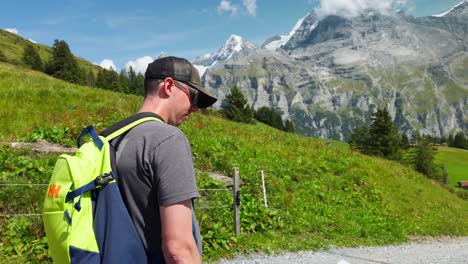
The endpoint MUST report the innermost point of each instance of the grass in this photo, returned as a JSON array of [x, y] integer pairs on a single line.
[[456, 163], [13, 46], [30, 99], [319, 193]]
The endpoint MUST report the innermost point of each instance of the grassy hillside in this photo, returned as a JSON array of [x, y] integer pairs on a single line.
[[456, 163], [12, 47], [319, 194]]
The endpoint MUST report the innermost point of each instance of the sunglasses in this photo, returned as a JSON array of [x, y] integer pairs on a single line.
[[192, 93]]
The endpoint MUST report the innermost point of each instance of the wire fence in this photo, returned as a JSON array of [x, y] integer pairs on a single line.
[[46, 185], [234, 201]]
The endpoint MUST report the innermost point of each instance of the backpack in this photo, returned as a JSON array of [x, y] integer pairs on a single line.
[[85, 218]]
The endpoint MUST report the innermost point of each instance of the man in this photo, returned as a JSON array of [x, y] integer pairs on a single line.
[[155, 166]]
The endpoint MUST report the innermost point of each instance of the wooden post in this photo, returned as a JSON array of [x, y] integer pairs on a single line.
[[264, 191], [236, 201]]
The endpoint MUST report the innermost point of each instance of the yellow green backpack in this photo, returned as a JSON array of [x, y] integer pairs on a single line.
[[85, 218]]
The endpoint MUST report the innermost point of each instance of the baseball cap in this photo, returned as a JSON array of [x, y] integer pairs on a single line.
[[180, 70]]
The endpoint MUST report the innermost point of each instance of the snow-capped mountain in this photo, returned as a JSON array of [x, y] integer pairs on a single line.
[[277, 41], [450, 10], [234, 44], [329, 75]]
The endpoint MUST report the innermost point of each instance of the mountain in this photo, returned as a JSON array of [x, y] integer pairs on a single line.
[[278, 41], [233, 45], [331, 74]]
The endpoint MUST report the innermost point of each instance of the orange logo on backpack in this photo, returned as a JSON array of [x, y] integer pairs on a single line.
[[54, 190]]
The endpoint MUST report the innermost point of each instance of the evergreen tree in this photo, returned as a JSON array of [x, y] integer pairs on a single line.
[[460, 141], [271, 117], [100, 79], [132, 81], [235, 107], [404, 141], [450, 141], [425, 161], [32, 58], [384, 135], [289, 126], [90, 79], [63, 64], [360, 139], [123, 82], [109, 80], [263, 115], [276, 120]]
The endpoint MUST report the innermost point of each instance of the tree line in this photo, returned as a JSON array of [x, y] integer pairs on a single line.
[[235, 107], [63, 65], [381, 138]]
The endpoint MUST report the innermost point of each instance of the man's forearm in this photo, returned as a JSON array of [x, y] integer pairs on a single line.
[[181, 252]]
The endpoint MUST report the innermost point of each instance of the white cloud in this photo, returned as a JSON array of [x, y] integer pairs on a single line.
[[352, 8], [139, 65], [251, 6], [12, 30], [226, 6], [35, 42], [108, 64]]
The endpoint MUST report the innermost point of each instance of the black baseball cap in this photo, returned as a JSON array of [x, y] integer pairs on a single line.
[[180, 70]]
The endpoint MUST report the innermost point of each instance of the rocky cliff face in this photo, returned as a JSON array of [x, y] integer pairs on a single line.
[[332, 74]]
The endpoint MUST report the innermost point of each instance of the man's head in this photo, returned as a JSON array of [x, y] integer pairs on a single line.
[[183, 71]]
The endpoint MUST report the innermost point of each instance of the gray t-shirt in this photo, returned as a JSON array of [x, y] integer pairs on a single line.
[[155, 168]]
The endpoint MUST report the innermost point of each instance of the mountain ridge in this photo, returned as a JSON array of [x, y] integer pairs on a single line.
[[331, 74]]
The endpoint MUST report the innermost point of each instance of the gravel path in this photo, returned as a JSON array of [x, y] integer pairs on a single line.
[[433, 251]]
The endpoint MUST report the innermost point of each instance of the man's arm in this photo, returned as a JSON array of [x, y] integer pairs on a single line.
[[178, 244]]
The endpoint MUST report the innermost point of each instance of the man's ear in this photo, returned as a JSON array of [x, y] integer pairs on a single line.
[[168, 86]]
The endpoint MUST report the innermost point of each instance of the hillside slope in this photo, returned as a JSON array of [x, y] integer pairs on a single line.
[[319, 193], [12, 47]]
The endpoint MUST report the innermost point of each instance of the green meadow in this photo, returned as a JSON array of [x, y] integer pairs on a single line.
[[320, 194], [456, 163]]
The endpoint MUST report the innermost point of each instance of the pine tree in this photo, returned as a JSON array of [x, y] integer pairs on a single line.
[[384, 136], [132, 81], [460, 141], [360, 139], [425, 161], [100, 79], [235, 107], [272, 117], [404, 141], [289, 126], [90, 79], [123, 82], [32, 58], [263, 115], [63, 64], [450, 141]]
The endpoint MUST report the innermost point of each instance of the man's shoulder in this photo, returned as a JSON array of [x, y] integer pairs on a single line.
[[159, 129]]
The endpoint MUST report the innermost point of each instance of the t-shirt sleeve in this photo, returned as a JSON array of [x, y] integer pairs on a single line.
[[175, 177]]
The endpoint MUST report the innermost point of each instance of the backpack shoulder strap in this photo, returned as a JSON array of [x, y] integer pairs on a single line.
[[128, 123]]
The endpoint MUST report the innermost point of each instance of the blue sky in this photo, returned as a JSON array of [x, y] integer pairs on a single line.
[[119, 32]]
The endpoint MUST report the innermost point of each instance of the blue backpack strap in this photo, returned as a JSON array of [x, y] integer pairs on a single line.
[[94, 135], [99, 181]]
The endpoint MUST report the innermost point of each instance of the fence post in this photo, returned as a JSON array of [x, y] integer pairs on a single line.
[[236, 201], [264, 190]]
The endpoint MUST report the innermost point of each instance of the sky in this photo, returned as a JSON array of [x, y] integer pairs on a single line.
[[122, 33]]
